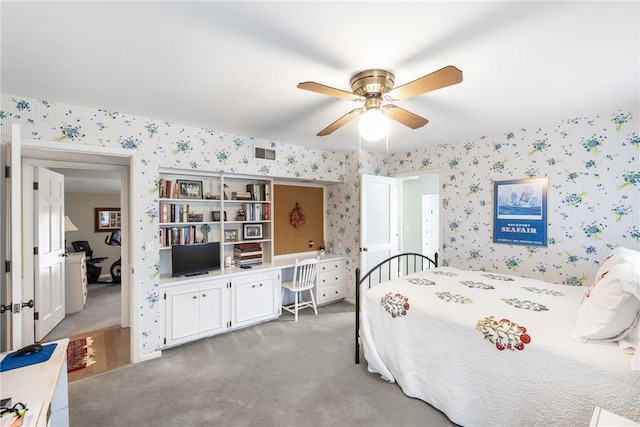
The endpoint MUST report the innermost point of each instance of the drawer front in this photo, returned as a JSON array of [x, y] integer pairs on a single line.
[[329, 266], [329, 278], [329, 293]]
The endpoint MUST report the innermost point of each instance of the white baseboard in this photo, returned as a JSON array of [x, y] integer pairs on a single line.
[[150, 356]]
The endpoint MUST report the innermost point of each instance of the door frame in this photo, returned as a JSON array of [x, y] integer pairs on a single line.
[[94, 157], [414, 175]]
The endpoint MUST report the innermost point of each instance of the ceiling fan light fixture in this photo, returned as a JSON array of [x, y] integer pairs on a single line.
[[373, 125]]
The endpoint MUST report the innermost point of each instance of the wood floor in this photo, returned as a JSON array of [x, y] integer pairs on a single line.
[[111, 350]]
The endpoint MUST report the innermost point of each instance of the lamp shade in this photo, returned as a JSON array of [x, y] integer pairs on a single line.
[[68, 225], [373, 125]]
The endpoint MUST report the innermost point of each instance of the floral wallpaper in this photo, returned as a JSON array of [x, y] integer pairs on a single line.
[[159, 144], [591, 162], [593, 168]]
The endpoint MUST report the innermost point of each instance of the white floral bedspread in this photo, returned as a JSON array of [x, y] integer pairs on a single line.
[[493, 349]]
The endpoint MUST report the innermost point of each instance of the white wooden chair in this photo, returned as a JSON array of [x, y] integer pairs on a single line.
[[304, 279]]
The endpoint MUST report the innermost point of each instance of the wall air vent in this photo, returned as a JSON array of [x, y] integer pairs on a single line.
[[264, 153]]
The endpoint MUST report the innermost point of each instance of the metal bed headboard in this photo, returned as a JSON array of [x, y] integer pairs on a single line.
[[406, 263]]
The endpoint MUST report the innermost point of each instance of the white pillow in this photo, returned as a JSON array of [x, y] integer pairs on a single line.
[[631, 344], [610, 308], [618, 255]]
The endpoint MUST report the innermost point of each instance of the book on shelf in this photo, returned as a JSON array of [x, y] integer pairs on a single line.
[[257, 211], [177, 236], [259, 192], [167, 189], [240, 195], [248, 246], [256, 261], [170, 212], [195, 217]]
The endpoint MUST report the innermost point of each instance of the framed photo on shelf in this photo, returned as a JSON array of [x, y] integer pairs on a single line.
[[215, 215], [252, 231], [230, 235], [189, 189]]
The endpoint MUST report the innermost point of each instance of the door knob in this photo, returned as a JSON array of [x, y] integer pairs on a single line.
[[29, 304]]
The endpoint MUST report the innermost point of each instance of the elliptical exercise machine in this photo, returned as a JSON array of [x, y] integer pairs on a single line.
[[113, 239]]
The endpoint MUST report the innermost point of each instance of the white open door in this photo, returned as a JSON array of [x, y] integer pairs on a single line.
[[430, 224], [14, 240], [49, 252], [379, 220]]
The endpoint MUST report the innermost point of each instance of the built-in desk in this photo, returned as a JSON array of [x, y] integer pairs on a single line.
[[330, 284], [219, 301], [43, 387]]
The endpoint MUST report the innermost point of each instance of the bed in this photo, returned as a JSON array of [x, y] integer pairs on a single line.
[[495, 349]]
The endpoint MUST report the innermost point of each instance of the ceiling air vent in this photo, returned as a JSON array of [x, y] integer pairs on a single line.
[[264, 153]]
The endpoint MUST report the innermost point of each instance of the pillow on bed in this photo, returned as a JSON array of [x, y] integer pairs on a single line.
[[618, 255], [610, 307], [631, 344]]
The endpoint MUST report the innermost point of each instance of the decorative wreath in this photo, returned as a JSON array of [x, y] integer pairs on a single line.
[[297, 217]]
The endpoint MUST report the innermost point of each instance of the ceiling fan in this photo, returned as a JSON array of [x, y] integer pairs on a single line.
[[375, 88]]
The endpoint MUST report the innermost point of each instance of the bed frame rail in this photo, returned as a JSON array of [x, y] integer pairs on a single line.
[[395, 266]]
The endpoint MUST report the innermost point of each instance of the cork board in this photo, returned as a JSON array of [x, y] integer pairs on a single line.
[[287, 239]]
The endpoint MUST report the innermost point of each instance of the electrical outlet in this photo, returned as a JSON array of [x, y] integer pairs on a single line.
[[310, 243]]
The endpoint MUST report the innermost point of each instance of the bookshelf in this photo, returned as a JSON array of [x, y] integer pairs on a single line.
[[235, 210]]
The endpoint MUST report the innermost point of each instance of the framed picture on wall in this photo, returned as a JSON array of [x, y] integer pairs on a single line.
[[107, 219], [252, 231], [520, 211]]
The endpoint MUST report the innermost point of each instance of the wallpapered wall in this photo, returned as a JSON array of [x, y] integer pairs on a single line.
[[593, 168], [158, 145], [592, 164]]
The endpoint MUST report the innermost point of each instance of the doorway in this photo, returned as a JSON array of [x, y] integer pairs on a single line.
[[108, 305], [399, 221], [420, 219], [87, 190]]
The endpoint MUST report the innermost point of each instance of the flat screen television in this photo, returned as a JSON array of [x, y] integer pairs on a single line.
[[192, 260]]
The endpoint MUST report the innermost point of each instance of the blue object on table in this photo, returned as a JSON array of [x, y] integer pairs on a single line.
[[9, 363]]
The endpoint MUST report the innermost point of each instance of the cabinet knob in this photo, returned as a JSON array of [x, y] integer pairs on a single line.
[[195, 297], [204, 295]]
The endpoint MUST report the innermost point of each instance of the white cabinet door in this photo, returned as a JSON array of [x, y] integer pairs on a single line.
[[214, 307], [183, 321], [196, 311], [255, 298]]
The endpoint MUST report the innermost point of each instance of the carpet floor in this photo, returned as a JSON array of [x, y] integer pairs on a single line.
[[278, 373], [102, 310]]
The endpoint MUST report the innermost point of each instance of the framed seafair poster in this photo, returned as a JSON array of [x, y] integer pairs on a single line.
[[520, 211]]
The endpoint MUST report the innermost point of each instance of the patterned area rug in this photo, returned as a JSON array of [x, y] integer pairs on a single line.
[[80, 354]]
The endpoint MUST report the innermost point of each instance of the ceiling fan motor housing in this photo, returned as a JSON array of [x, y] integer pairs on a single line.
[[372, 83]]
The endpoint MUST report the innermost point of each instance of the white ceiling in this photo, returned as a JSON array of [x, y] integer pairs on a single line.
[[234, 66], [90, 181]]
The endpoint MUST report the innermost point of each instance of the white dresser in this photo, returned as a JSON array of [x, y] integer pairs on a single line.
[[330, 284], [75, 282]]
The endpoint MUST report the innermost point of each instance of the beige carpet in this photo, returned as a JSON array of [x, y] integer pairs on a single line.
[[102, 310], [279, 373]]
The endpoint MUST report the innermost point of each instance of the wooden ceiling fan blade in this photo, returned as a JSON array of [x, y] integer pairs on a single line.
[[328, 90], [340, 122], [403, 116], [444, 77]]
